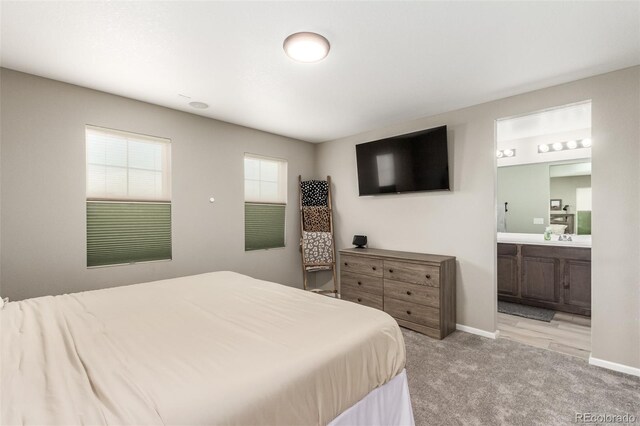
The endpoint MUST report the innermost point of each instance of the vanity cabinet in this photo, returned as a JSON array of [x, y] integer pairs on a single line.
[[577, 283], [507, 269], [552, 277], [418, 290], [539, 279]]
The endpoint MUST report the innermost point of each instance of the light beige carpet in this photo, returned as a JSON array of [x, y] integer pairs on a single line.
[[470, 380]]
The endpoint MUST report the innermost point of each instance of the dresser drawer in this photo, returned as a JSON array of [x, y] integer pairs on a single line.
[[361, 265], [362, 298], [361, 283], [412, 273], [412, 312], [414, 293]]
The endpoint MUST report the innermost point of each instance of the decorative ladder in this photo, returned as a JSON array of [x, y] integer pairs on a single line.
[[317, 244]]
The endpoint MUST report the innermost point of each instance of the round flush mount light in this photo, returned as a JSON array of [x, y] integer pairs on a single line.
[[306, 47], [198, 105]]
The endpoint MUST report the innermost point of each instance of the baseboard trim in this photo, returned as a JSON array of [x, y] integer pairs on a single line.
[[621, 368], [477, 331]]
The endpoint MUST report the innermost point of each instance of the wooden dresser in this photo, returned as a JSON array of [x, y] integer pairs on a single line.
[[418, 290]]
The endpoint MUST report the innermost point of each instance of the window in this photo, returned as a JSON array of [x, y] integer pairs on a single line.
[[265, 196], [128, 197]]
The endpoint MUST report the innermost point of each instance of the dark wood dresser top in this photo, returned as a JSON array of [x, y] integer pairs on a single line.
[[400, 255]]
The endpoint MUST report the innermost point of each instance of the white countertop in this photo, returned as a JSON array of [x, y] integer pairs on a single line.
[[538, 239]]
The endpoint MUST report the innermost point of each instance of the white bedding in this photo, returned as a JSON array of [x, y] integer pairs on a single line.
[[217, 348]]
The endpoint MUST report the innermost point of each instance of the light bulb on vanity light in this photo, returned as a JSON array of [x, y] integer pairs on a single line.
[[543, 148], [509, 152], [558, 146], [586, 143], [499, 154], [572, 144]]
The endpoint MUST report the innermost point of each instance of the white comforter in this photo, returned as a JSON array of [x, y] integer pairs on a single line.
[[217, 348]]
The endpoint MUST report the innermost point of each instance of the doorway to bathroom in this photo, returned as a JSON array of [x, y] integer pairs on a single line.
[[544, 228]]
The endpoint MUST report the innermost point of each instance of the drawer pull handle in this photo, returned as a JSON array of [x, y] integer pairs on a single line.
[[428, 276], [408, 312], [408, 293], [359, 282], [391, 271], [374, 268], [346, 264], [359, 300]]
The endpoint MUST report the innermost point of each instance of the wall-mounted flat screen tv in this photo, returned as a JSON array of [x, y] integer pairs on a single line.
[[413, 162]]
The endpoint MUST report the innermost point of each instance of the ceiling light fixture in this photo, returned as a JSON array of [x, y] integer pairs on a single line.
[[198, 105], [306, 47]]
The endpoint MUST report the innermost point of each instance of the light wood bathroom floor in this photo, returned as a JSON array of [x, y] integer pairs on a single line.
[[566, 333]]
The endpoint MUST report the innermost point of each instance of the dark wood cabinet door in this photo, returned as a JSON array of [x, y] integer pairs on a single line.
[[508, 275], [577, 283], [539, 279]]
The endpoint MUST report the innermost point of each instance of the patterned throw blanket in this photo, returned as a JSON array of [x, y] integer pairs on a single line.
[[317, 247], [314, 192], [316, 219]]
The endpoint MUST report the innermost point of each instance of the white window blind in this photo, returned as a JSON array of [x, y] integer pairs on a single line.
[[127, 166], [265, 180], [265, 195], [128, 197]]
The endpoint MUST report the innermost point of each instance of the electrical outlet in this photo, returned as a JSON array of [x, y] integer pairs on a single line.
[[538, 221]]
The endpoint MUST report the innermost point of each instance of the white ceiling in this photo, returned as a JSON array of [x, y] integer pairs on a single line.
[[389, 61]]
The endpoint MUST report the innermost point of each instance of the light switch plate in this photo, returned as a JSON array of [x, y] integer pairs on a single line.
[[538, 221]]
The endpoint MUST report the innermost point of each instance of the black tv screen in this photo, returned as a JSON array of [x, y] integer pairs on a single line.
[[413, 162]]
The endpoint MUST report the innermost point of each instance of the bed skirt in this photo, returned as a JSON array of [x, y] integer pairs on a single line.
[[388, 405]]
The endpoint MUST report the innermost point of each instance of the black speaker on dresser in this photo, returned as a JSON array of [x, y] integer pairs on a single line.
[[360, 241]]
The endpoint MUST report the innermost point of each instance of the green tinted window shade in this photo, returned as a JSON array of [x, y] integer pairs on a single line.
[[263, 226], [127, 232], [584, 222]]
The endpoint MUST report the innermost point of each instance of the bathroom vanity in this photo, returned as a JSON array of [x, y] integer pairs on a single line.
[[547, 274]]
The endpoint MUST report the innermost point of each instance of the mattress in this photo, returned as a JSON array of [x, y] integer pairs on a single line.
[[216, 348]]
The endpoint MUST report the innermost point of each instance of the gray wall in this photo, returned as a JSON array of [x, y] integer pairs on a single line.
[[463, 222], [526, 189], [565, 187], [43, 190]]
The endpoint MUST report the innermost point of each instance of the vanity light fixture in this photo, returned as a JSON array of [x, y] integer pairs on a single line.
[[563, 146], [501, 153], [306, 47]]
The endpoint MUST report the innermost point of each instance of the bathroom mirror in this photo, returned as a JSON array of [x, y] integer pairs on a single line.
[[527, 193]]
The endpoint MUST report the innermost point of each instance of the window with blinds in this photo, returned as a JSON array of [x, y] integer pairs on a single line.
[[128, 197], [265, 196]]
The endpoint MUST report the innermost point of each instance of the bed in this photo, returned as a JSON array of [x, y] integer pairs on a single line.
[[216, 348]]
